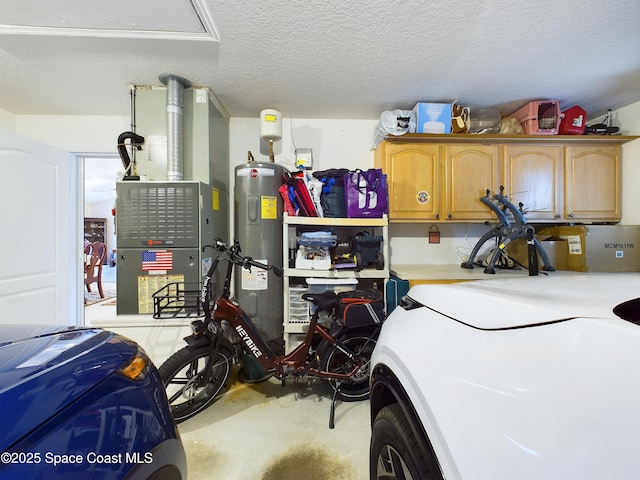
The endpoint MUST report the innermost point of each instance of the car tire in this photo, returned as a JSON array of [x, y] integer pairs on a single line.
[[395, 452]]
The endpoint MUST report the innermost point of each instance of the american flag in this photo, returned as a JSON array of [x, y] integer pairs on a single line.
[[157, 260]]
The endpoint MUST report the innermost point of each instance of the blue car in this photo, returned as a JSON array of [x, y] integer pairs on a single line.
[[83, 403]]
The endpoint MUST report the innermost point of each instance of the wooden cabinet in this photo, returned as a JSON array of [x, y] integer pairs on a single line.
[[533, 175], [592, 183], [413, 175], [564, 183], [439, 178], [432, 182], [469, 171]]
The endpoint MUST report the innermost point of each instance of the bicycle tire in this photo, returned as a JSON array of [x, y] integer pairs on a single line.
[[361, 343], [180, 370]]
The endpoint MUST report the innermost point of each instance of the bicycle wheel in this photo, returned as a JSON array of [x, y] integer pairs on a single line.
[[180, 373], [361, 344]]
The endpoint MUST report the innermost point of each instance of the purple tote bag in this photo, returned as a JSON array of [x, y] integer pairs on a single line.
[[365, 193]]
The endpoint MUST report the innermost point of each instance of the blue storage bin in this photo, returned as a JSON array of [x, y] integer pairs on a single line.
[[396, 288]]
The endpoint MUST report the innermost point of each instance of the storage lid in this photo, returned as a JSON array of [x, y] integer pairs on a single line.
[[331, 281]]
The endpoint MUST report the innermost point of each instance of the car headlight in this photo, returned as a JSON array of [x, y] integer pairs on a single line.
[[408, 303], [137, 367]]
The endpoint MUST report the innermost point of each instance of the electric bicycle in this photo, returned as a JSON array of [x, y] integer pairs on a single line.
[[197, 374]]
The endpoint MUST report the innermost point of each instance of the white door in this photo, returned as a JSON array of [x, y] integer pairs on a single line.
[[39, 265]]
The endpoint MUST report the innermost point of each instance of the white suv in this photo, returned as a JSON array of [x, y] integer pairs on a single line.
[[526, 378]]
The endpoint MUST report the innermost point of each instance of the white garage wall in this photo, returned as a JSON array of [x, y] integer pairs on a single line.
[[335, 143], [7, 120], [75, 134], [628, 119]]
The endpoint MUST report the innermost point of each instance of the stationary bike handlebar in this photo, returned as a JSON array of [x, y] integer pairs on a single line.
[[515, 211], [498, 203], [489, 202]]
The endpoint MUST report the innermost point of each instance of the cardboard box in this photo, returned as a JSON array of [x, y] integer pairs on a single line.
[[555, 248], [433, 117], [600, 248]]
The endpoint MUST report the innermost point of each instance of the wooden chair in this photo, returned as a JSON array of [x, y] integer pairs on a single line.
[[94, 255]]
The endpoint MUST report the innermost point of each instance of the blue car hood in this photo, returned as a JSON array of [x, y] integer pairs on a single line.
[[44, 369]]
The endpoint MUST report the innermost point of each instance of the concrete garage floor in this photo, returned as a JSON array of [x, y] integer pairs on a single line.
[[265, 431]]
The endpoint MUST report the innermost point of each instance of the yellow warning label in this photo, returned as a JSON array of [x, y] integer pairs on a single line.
[[270, 118], [150, 284], [269, 206], [215, 198]]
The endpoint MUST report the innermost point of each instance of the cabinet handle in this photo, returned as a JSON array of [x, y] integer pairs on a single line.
[[449, 216], [557, 215], [571, 215], [437, 216]]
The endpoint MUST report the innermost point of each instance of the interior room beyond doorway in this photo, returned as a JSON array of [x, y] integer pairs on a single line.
[[100, 175]]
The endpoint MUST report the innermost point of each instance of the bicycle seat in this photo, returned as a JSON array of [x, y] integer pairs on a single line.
[[325, 301]]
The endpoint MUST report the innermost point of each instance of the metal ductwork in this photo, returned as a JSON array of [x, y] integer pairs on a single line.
[[175, 89]]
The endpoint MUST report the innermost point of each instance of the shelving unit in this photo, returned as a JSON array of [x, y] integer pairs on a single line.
[[94, 229], [294, 322]]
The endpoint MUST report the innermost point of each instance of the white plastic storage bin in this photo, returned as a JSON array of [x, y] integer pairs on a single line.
[[298, 307], [319, 285]]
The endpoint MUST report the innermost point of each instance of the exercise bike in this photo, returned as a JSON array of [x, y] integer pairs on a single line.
[[195, 375], [505, 232]]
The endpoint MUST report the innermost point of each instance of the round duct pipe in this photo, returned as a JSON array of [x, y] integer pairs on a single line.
[[175, 89]]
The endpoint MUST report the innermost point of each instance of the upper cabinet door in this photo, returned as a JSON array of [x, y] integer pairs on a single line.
[[470, 170], [592, 183], [533, 176], [564, 179], [413, 172]]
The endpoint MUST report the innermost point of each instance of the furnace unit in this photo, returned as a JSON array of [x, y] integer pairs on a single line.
[[164, 222], [162, 228]]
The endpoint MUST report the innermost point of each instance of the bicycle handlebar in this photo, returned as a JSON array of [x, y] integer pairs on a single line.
[[232, 254], [248, 262]]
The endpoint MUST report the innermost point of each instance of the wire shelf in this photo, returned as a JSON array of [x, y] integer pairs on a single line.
[[178, 300]]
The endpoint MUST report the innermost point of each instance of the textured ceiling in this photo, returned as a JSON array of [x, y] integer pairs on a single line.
[[330, 59]]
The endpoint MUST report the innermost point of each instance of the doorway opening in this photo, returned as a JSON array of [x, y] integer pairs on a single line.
[[100, 175]]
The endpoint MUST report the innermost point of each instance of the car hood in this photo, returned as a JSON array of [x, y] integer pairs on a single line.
[[44, 369], [518, 302]]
